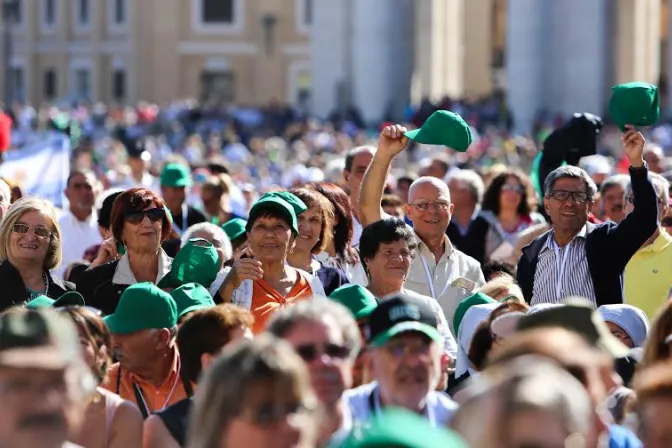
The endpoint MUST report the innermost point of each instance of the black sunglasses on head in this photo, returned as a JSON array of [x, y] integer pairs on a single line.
[[154, 215]]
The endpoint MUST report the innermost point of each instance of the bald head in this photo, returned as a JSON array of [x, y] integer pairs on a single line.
[[427, 184]]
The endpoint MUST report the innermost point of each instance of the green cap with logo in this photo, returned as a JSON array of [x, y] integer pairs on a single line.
[[399, 428], [401, 314], [577, 315], [191, 297], [196, 262], [234, 228], [142, 306], [176, 175], [284, 202], [70, 298], [443, 128], [37, 338], [475, 299], [634, 103], [359, 300]]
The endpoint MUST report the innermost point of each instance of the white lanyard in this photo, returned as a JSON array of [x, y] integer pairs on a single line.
[[184, 220], [560, 263], [430, 279], [177, 377]]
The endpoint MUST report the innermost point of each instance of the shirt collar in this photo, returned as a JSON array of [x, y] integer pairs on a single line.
[[428, 409], [123, 275], [422, 247], [660, 243], [92, 218], [171, 375], [550, 241]]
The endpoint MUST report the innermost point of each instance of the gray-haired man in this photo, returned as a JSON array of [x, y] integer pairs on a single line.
[[576, 258]]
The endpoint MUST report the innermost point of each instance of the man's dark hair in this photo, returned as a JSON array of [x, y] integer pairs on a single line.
[[495, 267], [354, 153], [75, 173], [385, 231]]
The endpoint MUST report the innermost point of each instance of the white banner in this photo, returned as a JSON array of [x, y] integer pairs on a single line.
[[40, 169]]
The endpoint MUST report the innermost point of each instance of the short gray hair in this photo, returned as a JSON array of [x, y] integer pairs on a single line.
[[571, 172], [217, 233], [473, 180], [660, 184], [617, 180], [316, 310]]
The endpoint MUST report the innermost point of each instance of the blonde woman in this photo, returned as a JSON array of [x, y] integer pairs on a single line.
[[30, 246], [257, 394], [503, 287]]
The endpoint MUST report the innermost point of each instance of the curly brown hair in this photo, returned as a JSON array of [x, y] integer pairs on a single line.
[[528, 202]]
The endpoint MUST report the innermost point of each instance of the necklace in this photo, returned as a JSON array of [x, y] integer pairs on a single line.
[[177, 377], [34, 294]]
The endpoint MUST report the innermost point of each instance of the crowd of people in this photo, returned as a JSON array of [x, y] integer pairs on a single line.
[[328, 289]]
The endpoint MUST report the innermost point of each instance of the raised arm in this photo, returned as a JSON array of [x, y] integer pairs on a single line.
[[640, 224], [392, 141]]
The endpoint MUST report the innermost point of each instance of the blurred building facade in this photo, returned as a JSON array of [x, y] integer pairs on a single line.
[[246, 51], [375, 55]]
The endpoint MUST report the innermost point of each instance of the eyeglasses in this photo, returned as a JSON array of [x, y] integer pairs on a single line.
[[516, 188], [40, 232], [154, 215], [270, 413], [423, 206], [562, 195], [310, 352], [398, 348]]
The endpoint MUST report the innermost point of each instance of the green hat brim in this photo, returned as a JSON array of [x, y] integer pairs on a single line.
[[413, 135], [70, 298], [406, 327], [40, 302], [168, 282], [117, 325], [278, 205], [365, 312], [189, 309], [179, 183]]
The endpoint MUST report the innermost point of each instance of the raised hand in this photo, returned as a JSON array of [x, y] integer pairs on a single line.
[[392, 140], [106, 253], [245, 268], [633, 146]]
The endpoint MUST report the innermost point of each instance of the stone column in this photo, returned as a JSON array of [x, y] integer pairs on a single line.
[[328, 54], [477, 63], [577, 69], [637, 41], [439, 49], [525, 54]]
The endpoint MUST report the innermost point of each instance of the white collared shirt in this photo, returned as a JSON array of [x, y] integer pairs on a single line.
[[123, 275], [562, 271], [453, 278], [357, 231], [439, 408], [76, 237]]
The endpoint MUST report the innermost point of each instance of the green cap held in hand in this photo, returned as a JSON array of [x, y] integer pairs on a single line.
[[443, 128], [634, 103]]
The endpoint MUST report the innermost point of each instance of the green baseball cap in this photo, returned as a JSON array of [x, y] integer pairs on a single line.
[[37, 338], [70, 298], [443, 128], [234, 228], [283, 202], [191, 297], [475, 299], [634, 103], [176, 175], [359, 300], [196, 262], [401, 314], [578, 316], [142, 306], [402, 429]]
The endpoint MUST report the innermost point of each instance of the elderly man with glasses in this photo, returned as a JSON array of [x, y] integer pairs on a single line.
[[576, 258]]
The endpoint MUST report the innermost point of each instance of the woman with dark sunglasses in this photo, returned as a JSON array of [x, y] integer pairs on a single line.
[[139, 225], [30, 246]]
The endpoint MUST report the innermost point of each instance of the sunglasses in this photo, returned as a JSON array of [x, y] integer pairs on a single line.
[[154, 215], [271, 413], [39, 232], [310, 352]]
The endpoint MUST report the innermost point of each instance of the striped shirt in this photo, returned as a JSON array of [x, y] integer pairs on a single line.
[[563, 272]]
